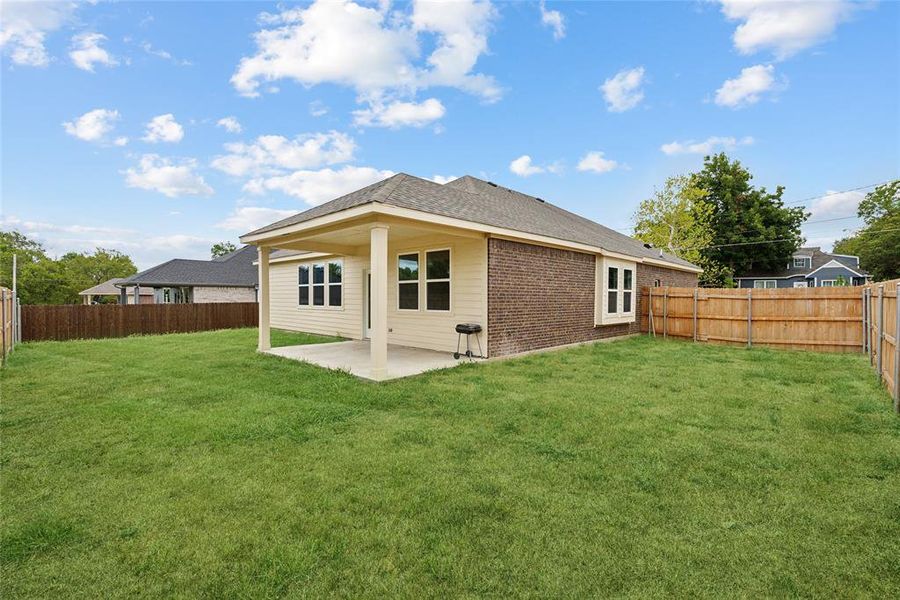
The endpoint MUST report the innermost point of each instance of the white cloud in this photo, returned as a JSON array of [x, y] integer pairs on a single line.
[[748, 87], [707, 146], [248, 218], [163, 54], [372, 49], [623, 91], [596, 163], [785, 27], [163, 128], [835, 204], [14, 222], [92, 126], [25, 25], [272, 153], [230, 124], [168, 177], [317, 108], [523, 167], [86, 52], [400, 114], [555, 20], [442, 179], [316, 187], [120, 141]]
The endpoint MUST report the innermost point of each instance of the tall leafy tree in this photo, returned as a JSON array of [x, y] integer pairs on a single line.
[[221, 249], [743, 213], [878, 243], [81, 270], [677, 219]]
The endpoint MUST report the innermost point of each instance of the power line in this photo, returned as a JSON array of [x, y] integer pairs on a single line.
[[886, 230]]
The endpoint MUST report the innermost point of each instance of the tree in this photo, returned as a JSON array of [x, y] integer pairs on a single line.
[[677, 219], [222, 248], [742, 213], [878, 243], [84, 270], [42, 280]]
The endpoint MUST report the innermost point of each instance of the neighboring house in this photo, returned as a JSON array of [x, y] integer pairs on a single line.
[[229, 278], [108, 292], [404, 260], [809, 267]]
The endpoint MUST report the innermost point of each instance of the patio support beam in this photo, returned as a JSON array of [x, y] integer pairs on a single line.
[[378, 266], [265, 342]]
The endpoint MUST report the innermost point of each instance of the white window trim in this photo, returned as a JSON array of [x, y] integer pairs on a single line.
[[423, 276], [802, 260], [828, 283], [765, 284], [418, 281], [601, 315], [801, 284], [327, 284]]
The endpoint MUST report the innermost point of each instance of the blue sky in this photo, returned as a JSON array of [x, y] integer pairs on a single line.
[[160, 128]]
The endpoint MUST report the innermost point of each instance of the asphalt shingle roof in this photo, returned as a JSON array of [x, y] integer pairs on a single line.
[[108, 288], [819, 259], [235, 269], [471, 199]]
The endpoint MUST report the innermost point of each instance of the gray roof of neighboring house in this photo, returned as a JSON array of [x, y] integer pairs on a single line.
[[478, 201], [234, 270], [819, 259], [108, 288]]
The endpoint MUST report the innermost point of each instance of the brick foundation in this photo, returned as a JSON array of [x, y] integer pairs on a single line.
[[540, 297]]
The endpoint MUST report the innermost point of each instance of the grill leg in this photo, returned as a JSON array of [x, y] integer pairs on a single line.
[[480, 351], [456, 354]]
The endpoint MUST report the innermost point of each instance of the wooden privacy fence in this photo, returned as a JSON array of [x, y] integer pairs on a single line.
[[9, 334], [825, 319], [77, 321], [881, 322]]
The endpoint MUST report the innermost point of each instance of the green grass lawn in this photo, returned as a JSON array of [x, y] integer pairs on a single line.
[[188, 465]]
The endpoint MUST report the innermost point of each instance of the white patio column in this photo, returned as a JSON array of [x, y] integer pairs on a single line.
[[264, 336], [378, 267]]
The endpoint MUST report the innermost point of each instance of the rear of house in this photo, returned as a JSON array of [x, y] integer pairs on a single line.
[[404, 260], [809, 267]]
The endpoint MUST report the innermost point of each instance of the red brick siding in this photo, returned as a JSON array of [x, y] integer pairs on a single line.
[[540, 297]]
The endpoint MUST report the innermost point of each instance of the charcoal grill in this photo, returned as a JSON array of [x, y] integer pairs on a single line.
[[468, 329]]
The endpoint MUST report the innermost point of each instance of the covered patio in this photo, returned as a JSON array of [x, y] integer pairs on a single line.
[[354, 357], [365, 248]]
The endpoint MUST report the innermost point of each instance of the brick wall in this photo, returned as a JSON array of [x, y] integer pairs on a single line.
[[540, 297], [203, 295]]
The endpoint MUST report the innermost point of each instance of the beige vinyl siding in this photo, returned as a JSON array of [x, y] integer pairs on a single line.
[[420, 329], [468, 296], [286, 312]]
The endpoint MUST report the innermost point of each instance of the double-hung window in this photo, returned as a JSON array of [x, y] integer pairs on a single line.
[[765, 284], [800, 262], [437, 280], [614, 292], [320, 284], [408, 281]]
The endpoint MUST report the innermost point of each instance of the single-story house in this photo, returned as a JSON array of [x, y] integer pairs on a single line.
[[809, 267], [228, 278], [108, 292], [404, 260]]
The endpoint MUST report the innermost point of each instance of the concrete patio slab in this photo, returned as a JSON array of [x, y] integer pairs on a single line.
[[353, 357]]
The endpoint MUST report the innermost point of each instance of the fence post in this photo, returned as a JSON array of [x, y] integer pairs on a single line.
[[869, 323], [880, 333], [750, 318], [695, 314], [897, 350], [3, 322], [862, 314], [666, 312], [18, 321], [651, 328]]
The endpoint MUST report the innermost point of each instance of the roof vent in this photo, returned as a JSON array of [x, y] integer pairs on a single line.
[[540, 200], [492, 183], [648, 246]]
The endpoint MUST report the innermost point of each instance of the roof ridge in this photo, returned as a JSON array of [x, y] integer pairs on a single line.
[[383, 194]]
